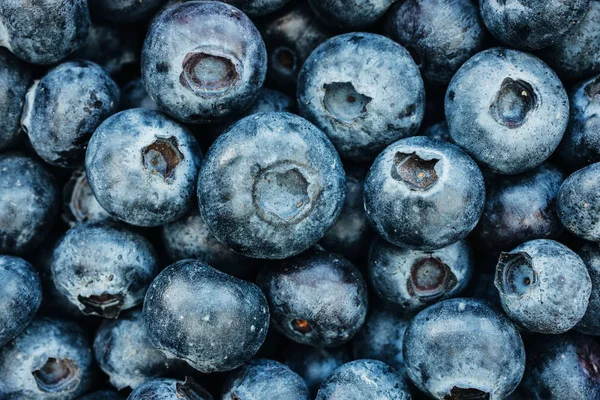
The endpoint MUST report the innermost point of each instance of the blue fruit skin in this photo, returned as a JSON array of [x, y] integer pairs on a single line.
[[43, 32], [35, 351], [99, 260], [20, 297], [350, 14], [185, 37], [314, 364], [514, 118], [364, 379], [213, 321], [125, 10], [463, 344], [438, 131], [257, 8], [15, 76], [271, 186], [265, 379], [590, 323], [29, 203], [134, 95], [170, 389], [530, 26], [142, 167], [577, 205], [415, 212], [364, 91], [102, 395], [317, 288], [561, 367], [441, 34], [79, 203], [85, 95]]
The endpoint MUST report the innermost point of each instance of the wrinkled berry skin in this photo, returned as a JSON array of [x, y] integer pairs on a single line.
[[170, 389], [316, 298], [142, 167], [271, 186], [257, 8], [577, 203], [364, 91], [203, 61], [103, 268], [213, 321], [20, 297], [414, 279], [43, 32], [265, 379], [463, 346], [440, 34], [29, 202], [590, 323], [350, 14], [51, 359], [544, 286], [519, 208], [561, 367], [86, 96], [15, 76], [514, 118], [364, 379], [125, 10], [134, 95], [102, 395], [531, 25], [424, 194], [79, 203]]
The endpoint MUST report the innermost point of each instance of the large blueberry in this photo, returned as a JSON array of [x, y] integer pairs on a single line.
[[125, 10], [424, 194], [271, 186], [170, 389], [364, 91], [590, 323], [15, 76], [203, 61], [142, 167], [350, 14], [577, 203], [257, 8], [79, 203]]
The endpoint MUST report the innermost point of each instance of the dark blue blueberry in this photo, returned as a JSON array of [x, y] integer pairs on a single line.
[[65, 107], [103, 268], [350, 14], [590, 323], [414, 279], [438, 131], [213, 321], [134, 95], [463, 349], [142, 167], [80, 204], [43, 32], [544, 286], [364, 91], [15, 76], [424, 194], [29, 203], [364, 379], [265, 379], [51, 359], [20, 297], [101, 395], [125, 10], [257, 8], [170, 389], [531, 25], [316, 298], [203, 61], [440, 34], [271, 186], [516, 114]]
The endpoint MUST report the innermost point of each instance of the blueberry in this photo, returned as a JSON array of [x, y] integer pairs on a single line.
[[463, 349], [438, 131], [265, 379], [316, 298], [51, 359], [314, 364], [101, 395], [142, 167], [520, 208], [15, 76], [213, 321], [364, 91], [364, 379], [440, 34], [515, 116], [544, 286], [577, 204], [103, 268], [43, 32], [85, 95], [590, 323], [28, 203], [20, 297], [125, 10], [350, 14], [170, 389], [271, 186], [203, 61], [257, 8], [530, 25], [414, 279], [424, 194], [80, 204], [134, 95]]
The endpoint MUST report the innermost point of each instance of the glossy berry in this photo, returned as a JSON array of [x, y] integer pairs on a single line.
[[170, 389], [15, 76], [79, 203], [350, 14], [590, 323]]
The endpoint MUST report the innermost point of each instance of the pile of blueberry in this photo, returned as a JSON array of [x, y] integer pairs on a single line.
[[300, 199]]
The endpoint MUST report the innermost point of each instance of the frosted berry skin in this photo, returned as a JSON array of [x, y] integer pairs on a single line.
[[590, 323], [170, 389], [350, 14], [516, 115], [257, 8], [125, 10], [15, 76], [203, 61]]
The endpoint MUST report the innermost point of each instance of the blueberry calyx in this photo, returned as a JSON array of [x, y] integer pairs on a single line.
[[105, 305], [57, 375], [515, 274], [466, 394], [162, 157], [284, 59], [344, 102], [592, 89], [430, 279], [416, 172], [190, 390], [209, 73], [514, 102], [589, 359]]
